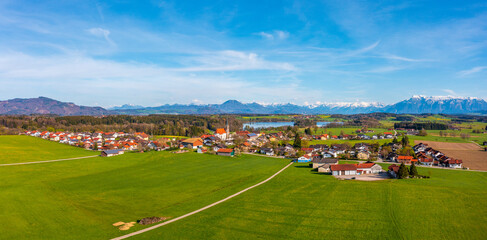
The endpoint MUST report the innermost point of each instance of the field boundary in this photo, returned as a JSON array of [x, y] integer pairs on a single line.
[[201, 209], [47, 161]]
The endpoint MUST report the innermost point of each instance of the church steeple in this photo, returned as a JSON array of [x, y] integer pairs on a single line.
[[228, 128]]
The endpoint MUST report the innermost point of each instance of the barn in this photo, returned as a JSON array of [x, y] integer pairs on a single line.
[[343, 169], [110, 153]]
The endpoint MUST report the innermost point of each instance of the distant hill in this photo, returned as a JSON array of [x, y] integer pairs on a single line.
[[126, 107], [44, 105], [414, 105]]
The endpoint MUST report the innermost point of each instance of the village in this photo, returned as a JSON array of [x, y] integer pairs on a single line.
[[322, 157]]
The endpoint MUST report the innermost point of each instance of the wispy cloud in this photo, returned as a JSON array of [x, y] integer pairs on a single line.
[[274, 35], [385, 69], [55, 74], [472, 71], [450, 92], [231, 60], [100, 32], [405, 59]]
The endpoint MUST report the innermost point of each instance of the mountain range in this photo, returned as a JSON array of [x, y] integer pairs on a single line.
[[414, 105]]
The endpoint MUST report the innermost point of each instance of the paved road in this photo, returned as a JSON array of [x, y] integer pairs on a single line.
[[57, 160], [201, 209]]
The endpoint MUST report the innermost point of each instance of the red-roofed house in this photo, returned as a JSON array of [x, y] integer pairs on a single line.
[[393, 170], [404, 159], [454, 163]]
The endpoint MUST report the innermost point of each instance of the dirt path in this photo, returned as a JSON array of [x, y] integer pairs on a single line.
[[57, 160], [201, 209]]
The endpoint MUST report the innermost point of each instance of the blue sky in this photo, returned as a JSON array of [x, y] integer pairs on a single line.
[[156, 52]]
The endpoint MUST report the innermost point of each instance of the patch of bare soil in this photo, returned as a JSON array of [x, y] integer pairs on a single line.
[[473, 156], [151, 220], [123, 225]]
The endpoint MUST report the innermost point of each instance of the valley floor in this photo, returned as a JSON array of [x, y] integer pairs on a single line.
[[82, 199]]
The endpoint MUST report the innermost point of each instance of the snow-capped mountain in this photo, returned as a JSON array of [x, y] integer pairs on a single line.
[[438, 104], [414, 105], [125, 107]]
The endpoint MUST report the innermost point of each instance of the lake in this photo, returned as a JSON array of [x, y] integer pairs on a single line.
[[259, 125]]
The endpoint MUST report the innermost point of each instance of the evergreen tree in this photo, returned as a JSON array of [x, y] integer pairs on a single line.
[[405, 141], [403, 172], [297, 141], [395, 140], [413, 171], [308, 131]]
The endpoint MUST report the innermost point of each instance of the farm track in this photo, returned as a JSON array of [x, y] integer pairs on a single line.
[[47, 161], [201, 209]]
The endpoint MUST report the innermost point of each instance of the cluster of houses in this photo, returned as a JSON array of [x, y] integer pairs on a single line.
[[430, 157], [361, 151], [360, 135], [102, 141]]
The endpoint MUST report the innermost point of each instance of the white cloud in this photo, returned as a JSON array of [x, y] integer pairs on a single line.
[[472, 71], [450, 92], [385, 69], [394, 57], [78, 78], [100, 32], [230, 60], [276, 34]]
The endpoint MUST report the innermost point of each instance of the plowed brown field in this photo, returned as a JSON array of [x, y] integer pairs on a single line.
[[473, 156]]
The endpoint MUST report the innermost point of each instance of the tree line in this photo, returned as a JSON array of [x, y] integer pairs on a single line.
[[181, 125], [421, 125]]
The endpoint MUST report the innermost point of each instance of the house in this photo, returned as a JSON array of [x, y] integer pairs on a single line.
[[201, 150], [393, 170], [252, 136], [141, 135], [388, 135], [318, 162], [426, 161], [225, 152], [219, 146], [368, 168], [192, 143], [404, 159], [110, 153], [304, 158], [453, 163], [210, 140], [267, 151], [343, 169]]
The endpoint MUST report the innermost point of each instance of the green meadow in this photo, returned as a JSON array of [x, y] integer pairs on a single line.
[[81, 199], [302, 204], [16, 149]]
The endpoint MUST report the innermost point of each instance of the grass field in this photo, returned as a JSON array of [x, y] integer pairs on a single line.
[[302, 204], [81, 199], [15, 149]]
